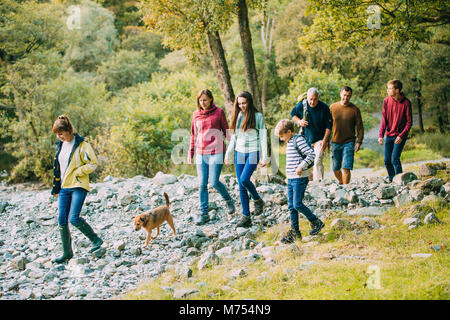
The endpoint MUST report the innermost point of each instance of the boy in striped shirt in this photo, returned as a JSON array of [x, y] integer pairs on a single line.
[[299, 158]]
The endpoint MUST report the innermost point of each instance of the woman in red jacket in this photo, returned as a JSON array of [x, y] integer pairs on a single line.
[[209, 127]]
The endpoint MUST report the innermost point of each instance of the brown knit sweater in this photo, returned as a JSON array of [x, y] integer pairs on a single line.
[[345, 120]]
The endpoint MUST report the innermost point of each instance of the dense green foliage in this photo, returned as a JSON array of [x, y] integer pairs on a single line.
[[132, 91]]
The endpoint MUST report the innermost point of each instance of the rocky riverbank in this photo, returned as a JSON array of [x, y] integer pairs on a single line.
[[29, 238]]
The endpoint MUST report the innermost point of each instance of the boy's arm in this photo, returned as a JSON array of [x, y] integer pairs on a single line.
[[307, 152]]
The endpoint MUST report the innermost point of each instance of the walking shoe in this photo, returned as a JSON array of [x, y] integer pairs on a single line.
[[291, 235], [201, 219], [246, 222], [316, 226], [230, 206], [259, 206]]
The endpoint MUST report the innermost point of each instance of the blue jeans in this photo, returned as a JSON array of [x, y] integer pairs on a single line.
[[342, 155], [70, 203], [392, 152], [296, 192], [245, 164], [209, 167]]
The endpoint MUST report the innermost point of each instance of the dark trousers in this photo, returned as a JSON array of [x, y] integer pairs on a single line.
[[392, 152]]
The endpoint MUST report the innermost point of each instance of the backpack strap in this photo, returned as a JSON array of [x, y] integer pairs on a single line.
[[305, 107]]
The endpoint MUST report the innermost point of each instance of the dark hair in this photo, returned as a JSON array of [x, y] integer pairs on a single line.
[[206, 92], [347, 88], [62, 123], [397, 84], [249, 115]]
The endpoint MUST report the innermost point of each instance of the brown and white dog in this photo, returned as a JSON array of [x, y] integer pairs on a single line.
[[153, 219]]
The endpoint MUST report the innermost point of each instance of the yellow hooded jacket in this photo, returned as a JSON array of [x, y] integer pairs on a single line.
[[82, 161]]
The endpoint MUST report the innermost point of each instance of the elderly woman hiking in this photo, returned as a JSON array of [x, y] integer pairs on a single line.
[[73, 162]]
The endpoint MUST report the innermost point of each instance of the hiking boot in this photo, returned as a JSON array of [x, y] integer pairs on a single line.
[[246, 222], [202, 219], [259, 206], [66, 243], [86, 229], [291, 236], [230, 206], [316, 226]]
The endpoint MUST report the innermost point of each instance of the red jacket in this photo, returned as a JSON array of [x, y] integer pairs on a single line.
[[208, 129], [397, 117]]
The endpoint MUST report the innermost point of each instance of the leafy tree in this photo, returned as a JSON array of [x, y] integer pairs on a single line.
[[94, 41], [42, 91], [338, 23], [145, 120], [126, 68], [137, 39], [193, 25]]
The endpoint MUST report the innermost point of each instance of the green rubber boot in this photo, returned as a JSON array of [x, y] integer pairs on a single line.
[[66, 243], [90, 234]]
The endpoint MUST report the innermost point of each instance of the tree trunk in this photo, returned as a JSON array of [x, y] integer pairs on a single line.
[[266, 37], [223, 75], [251, 76], [418, 92]]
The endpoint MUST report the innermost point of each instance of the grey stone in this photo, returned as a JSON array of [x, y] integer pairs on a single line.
[[367, 211], [367, 222], [208, 259], [412, 221], [183, 271], [341, 224], [238, 273], [184, 293], [385, 192], [431, 218], [162, 179], [402, 199], [404, 178]]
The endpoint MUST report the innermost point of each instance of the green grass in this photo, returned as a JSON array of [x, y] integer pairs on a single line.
[[390, 249]]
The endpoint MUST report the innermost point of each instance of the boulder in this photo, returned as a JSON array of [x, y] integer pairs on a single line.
[[341, 224], [367, 222], [184, 293], [367, 211], [385, 192], [431, 184], [404, 178], [208, 259], [402, 199], [162, 179], [431, 218]]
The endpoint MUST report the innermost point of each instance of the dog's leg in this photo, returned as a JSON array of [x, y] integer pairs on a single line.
[[157, 232], [147, 239], [170, 222]]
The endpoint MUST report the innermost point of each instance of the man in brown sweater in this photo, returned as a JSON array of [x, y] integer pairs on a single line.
[[346, 118]]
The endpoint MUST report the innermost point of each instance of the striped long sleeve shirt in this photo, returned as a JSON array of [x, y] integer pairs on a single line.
[[298, 153]]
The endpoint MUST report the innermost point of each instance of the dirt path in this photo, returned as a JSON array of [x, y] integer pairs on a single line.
[[371, 172]]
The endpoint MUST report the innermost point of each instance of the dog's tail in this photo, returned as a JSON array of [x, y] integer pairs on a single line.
[[167, 199]]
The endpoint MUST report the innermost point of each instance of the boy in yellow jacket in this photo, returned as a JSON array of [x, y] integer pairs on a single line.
[[73, 162]]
